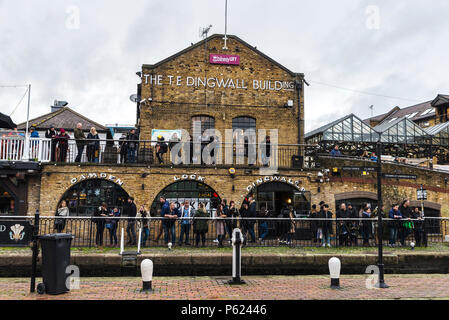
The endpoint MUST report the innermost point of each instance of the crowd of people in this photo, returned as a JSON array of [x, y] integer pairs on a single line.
[[349, 224]]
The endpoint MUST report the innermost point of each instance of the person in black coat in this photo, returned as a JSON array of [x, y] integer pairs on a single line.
[[342, 225], [406, 212], [52, 134], [130, 211], [353, 225], [326, 225], [252, 213], [366, 225], [132, 144], [99, 214], [314, 223], [419, 228]]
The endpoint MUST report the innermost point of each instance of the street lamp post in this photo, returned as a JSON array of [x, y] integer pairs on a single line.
[[381, 283]]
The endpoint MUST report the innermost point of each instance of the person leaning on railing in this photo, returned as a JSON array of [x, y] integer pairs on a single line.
[[80, 141], [62, 211], [111, 225], [263, 224], [326, 225], [220, 225], [200, 225], [396, 217], [419, 228], [99, 214], [314, 224], [233, 215], [93, 146], [144, 214], [51, 134], [130, 211]]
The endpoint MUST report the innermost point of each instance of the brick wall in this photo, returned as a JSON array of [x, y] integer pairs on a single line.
[[56, 180], [173, 106]]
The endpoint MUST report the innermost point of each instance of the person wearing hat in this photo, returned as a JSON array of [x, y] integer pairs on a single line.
[[51, 134], [63, 145]]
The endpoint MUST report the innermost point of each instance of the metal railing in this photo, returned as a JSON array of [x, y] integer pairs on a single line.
[[274, 232], [147, 152]]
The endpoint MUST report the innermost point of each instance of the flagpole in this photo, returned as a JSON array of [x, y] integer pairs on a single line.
[[226, 26], [26, 152]]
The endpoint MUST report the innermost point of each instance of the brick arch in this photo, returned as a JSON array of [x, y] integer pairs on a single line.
[[156, 199], [355, 195], [70, 186]]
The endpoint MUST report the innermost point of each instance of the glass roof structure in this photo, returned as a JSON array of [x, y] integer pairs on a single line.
[[397, 131], [347, 129], [440, 134], [403, 131]]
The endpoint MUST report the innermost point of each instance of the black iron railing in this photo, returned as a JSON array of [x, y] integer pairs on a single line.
[[268, 232]]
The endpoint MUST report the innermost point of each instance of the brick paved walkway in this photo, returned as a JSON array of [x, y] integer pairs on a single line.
[[257, 288]]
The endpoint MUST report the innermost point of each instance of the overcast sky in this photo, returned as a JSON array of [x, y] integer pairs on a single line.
[[398, 49]]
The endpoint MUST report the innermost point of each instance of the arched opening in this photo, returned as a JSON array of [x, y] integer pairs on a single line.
[[243, 123], [431, 210], [275, 196], [357, 199], [191, 190], [207, 122], [86, 196]]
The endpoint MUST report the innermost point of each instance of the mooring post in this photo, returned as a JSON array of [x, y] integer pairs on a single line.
[[35, 251], [237, 241]]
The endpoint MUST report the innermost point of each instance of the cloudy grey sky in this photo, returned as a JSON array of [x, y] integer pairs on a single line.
[[388, 48]]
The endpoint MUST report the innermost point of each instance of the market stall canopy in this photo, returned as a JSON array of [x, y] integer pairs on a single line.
[[6, 122]]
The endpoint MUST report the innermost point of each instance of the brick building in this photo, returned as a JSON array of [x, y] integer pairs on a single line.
[[253, 91], [237, 88]]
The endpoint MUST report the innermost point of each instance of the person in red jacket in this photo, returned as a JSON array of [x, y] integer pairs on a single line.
[[63, 145]]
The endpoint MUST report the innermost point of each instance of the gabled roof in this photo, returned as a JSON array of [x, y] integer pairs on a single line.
[[402, 130], [383, 116], [327, 126], [63, 118], [333, 123], [419, 111], [214, 36], [437, 128], [440, 99]]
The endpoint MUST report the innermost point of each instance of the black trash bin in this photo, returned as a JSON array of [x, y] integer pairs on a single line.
[[55, 259]]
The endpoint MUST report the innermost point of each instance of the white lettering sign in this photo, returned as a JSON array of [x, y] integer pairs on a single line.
[[203, 82], [272, 179], [104, 176]]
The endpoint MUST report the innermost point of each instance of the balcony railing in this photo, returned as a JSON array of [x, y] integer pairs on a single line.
[[146, 152], [15, 149]]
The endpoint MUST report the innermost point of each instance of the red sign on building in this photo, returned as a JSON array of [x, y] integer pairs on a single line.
[[224, 59]]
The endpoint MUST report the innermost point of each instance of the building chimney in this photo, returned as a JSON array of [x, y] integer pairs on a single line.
[[58, 105]]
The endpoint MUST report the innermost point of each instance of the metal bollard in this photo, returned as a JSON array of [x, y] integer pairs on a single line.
[[35, 252], [237, 242]]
